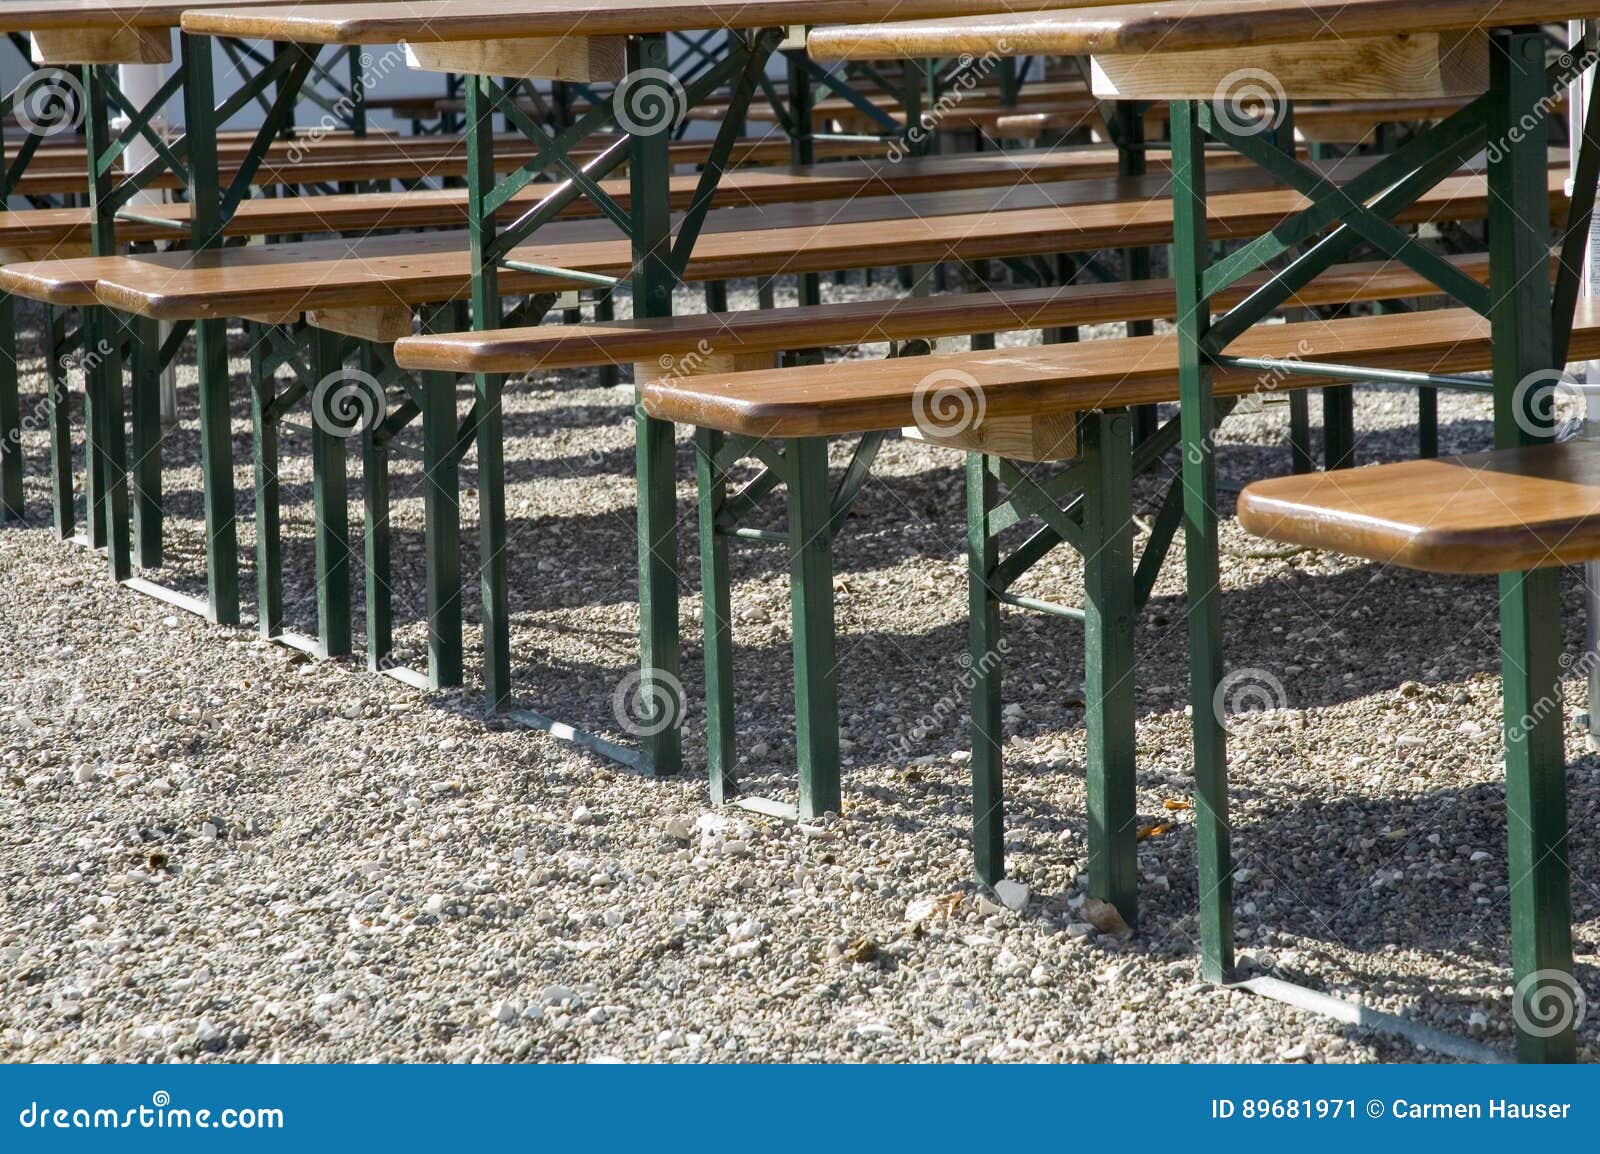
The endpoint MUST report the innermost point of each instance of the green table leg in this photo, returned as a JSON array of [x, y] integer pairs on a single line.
[[1108, 662], [1530, 603], [656, 480], [816, 693], [441, 503], [145, 469], [1198, 416]]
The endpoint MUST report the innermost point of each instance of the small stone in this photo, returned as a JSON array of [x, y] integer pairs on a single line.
[[680, 828], [1013, 895], [505, 1013], [207, 1032], [83, 774], [582, 816], [1106, 918], [434, 906]]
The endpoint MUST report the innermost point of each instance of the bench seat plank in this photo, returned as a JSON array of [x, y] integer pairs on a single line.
[[1502, 511], [437, 267], [859, 397], [548, 347]]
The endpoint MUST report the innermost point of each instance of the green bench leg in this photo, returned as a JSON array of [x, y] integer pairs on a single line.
[[1530, 603], [492, 575], [330, 501], [145, 467], [988, 799], [216, 468], [1109, 661], [1427, 422], [377, 551], [716, 620], [1203, 573], [268, 502], [58, 401], [1300, 457], [104, 368], [10, 415], [816, 695], [656, 485], [1339, 427], [94, 483], [605, 309], [441, 502]]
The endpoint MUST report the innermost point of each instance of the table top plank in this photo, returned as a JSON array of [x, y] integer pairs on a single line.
[[1492, 512], [446, 20], [1178, 26], [49, 15]]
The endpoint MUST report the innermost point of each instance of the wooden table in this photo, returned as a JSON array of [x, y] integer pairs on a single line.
[[626, 43], [1191, 53]]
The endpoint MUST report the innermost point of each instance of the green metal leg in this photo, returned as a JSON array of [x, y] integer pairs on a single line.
[[269, 531], [655, 451], [1198, 416], [1300, 432], [94, 467], [104, 368], [377, 550], [10, 415], [1339, 427], [1427, 422], [988, 766], [492, 574], [216, 469], [330, 501], [1530, 603], [442, 510], [605, 309], [57, 398], [717, 621], [145, 469], [1108, 661], [816, 693]]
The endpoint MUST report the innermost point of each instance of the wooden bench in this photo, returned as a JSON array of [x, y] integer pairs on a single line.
[[988, 403], [1508, 510]]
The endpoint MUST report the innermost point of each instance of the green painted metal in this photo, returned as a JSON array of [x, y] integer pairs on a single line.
[[1198, 422], [211, 339], [1109, 662], [105, 439], [1300, 459], [57, 400], [330, 505], [377, 551], [144, 472], [487, 388], [269, 522], [716, 619], [441, 502], [983, 653], [11, 505], [656, 473], [816, 689], [1338, 427], [1530, 603]]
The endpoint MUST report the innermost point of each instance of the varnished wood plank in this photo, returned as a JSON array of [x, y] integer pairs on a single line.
[[126, 44], [549, 347], [1176, 26], [1494, 512], [833, 400]]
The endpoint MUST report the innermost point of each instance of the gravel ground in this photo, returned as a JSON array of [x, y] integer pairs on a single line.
[[218, 850]]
